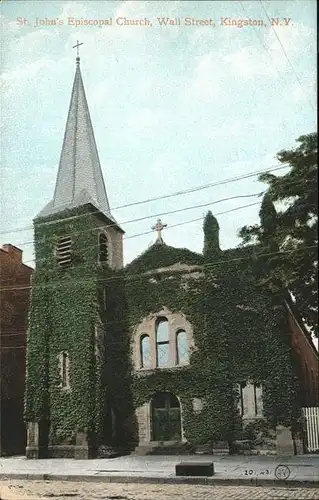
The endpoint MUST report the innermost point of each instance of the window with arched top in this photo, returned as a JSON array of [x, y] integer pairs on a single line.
[[146, 352], [182, 349], [103, 248], [162, 342]]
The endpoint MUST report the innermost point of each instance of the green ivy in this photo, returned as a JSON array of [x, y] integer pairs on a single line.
[[239, 333], [66, 308]]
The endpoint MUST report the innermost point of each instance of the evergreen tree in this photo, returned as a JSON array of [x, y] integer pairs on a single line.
[[294, 229], [211, 236]]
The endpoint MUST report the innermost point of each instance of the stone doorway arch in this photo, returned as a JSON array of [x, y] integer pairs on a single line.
[[166, 417]]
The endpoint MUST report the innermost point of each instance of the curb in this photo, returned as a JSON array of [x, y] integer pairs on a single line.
[[208, 481]]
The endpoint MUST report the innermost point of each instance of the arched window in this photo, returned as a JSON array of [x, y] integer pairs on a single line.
[[182, 351], [103, 248], [162, 342], [146, 353]]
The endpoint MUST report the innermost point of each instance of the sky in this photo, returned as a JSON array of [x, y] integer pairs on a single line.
[[173, 107]]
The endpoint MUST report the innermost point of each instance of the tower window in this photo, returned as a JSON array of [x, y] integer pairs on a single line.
[[63, 251], [103, 248]]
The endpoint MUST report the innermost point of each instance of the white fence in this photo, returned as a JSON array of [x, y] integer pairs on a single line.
[[311, 416]]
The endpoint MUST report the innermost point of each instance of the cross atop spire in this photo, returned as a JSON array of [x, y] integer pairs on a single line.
[[80, 179], [77, 50]]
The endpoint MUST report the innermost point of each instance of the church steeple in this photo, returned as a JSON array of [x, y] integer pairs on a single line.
[[80, 180]]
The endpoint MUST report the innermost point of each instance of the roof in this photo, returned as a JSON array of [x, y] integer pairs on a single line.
[[80, 179], [162, 255]]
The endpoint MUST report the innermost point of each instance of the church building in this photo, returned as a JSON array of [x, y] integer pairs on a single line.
[[175, 351]]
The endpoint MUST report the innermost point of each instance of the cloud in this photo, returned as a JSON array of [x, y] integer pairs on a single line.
[[305, 91], [268, 58], [206, 82], [144, 120], [131, 8], [76, 9], [248, 62], [295, 40]]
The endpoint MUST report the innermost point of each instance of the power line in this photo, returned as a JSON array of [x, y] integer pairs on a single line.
[[261, 40], [157, 215], [149, 273], [169, 227], [174, 225], [178, 193], [285, 53], [190, 207]]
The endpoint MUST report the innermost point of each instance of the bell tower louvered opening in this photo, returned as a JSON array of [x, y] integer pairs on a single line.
[[64, 251]]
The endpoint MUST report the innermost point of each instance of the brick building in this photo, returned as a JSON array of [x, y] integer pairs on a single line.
[[14, 307], [306, 357]]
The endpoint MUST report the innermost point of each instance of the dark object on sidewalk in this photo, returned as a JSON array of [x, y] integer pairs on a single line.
[[195, 469]]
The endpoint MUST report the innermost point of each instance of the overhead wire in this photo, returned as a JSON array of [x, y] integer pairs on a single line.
[[285, 53], [191, 207], [170, 195], [137, 277], [173, 211], [169, 227]]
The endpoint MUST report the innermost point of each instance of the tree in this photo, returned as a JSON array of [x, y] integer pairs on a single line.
[[290, 235]]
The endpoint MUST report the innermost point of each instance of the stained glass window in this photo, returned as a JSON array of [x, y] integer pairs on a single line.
[[182, 348], [146, 353], [162, 342]]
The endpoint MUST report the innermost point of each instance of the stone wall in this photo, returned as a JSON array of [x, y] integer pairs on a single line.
[[116, 248]]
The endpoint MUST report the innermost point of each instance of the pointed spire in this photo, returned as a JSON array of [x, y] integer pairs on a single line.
[[80, 179]]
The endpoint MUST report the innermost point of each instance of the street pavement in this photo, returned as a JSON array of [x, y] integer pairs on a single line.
[[62, 490], [269, 471]]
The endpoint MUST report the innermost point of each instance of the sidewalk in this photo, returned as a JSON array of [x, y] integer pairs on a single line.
[[300, 470]]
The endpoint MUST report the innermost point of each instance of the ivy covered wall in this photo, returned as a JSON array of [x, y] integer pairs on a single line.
[[240, 334], [68, 314], [239, 329]]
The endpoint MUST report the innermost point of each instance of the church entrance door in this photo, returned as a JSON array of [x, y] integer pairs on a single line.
[[166, 417]]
